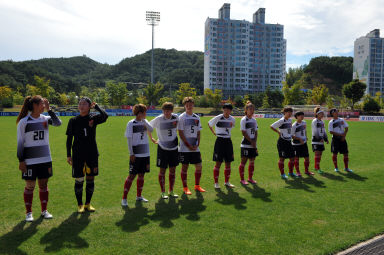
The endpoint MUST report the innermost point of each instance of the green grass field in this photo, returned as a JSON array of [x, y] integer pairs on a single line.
[[313, 215]]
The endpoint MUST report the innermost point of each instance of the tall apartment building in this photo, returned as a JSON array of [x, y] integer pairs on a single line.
[[243, 57], [368, 61]]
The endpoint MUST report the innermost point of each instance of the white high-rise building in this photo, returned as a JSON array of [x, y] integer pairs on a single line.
[[368, 61], [243, 57]]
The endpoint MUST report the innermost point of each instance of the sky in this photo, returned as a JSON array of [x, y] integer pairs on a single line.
[[108, 31]]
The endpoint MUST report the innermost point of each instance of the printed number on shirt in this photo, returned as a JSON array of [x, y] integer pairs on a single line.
[[192, 129], [226, 130], [252, 131], [169, 132], [85, 132], [38, 135], [142, 135]]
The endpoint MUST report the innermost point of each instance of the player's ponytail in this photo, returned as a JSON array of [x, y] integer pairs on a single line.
[[28, 106], [248, 105], [316, 110]]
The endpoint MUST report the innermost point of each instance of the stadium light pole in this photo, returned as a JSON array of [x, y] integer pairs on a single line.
[[153, 19]]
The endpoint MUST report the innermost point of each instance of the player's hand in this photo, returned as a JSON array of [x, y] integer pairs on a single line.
[[69, 160], [301, 141], [132, 158], [327, 142], [343, 138], [193, 148], [46, 104], [155, 141], [93, 105], [23, 167]]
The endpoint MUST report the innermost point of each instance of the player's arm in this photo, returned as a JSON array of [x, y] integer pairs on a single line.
[[274, 127], [102, 116], [148, 125], [198, 141], [211, 128], [69, 147], [132, 156], [152, 139], [211, 123], [184, 139], [20, 146], [53, 120]]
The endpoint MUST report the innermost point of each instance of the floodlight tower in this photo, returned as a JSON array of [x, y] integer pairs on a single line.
[[153, 19]]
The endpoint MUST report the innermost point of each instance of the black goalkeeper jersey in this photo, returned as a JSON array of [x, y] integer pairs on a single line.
[[83, 130]]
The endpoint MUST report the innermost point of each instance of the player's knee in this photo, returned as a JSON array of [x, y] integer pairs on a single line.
[[30, 185], [78, 180]]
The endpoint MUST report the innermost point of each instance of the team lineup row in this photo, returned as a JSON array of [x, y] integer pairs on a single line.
[[82, 154]]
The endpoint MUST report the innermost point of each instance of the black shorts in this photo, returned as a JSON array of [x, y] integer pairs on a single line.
[[248, 152], [285, 148], [40, 171], [301, 151], [85, 167], [223, 150], [318, 147], [167, 158], [140, 166], [338, 146], [186, 158]]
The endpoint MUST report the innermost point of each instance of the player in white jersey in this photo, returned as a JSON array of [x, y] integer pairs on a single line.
[[189, 131], [319, 136], [283, 127], [338, 127], [167, 152], [33, 150], [299, 142], [223, 150], [248, 147], [136, 134]]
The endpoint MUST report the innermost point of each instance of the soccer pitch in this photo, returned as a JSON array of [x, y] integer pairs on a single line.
[[313, 215]]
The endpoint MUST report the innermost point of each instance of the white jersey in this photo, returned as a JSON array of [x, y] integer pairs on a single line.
[[166, 130], [285, 127], [190, 125], [223, 126], [318, 132], [337, 125], [300, 131], [137, 131], [33, 138], [250, 126]]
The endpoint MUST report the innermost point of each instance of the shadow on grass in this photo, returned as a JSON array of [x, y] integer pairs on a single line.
[[66, 235], [20, 233], [165, 212], [298, 183], [192, 206], [315, 182], [258, 192], [231, 198], [333, 177], [134, 218], [354, 176]]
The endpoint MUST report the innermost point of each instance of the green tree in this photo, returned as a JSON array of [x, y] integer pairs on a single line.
[[153, 92], [185, 90], [6, 98], [379, 99], [117, 92], [42, 87], [319, 94], [72, 98], [293, 75], [63, 99], [165, 99], [214, 97], [142, 100], [239, 101], [293, 95], [371, 105], [18, 98], [265, 104], [354, 91]]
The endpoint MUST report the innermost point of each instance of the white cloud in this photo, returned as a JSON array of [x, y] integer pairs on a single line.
[[111, 30]]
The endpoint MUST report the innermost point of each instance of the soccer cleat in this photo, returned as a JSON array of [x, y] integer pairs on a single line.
[[299, 175], [251, 181], [163, 195], [187, 191], [141, 199], [199, 188], [172, 194], [244, 182], [124, 202], [293, 175], [309, 173], [284, 177], [229, 185], [319, 171], [89, 208], [336, 170], [217, 186], [348, 170], [29, 217], [46, 215]]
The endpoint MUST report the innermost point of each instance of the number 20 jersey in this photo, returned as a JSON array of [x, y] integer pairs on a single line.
[[190, 125]]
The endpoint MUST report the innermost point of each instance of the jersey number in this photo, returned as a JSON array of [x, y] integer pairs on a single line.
[[227, 130], [85, 132], [142, 135], [169, 132], [192, 129], [38, 135], [252, 131]]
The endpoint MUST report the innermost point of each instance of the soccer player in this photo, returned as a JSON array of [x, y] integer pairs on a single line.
[[138, 146], [84, 159], [33, 150], [338, 127], [319, 135], [189, 153], [167, 153], [299, 142], [248, 127], [223, 150], [283, 127]]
